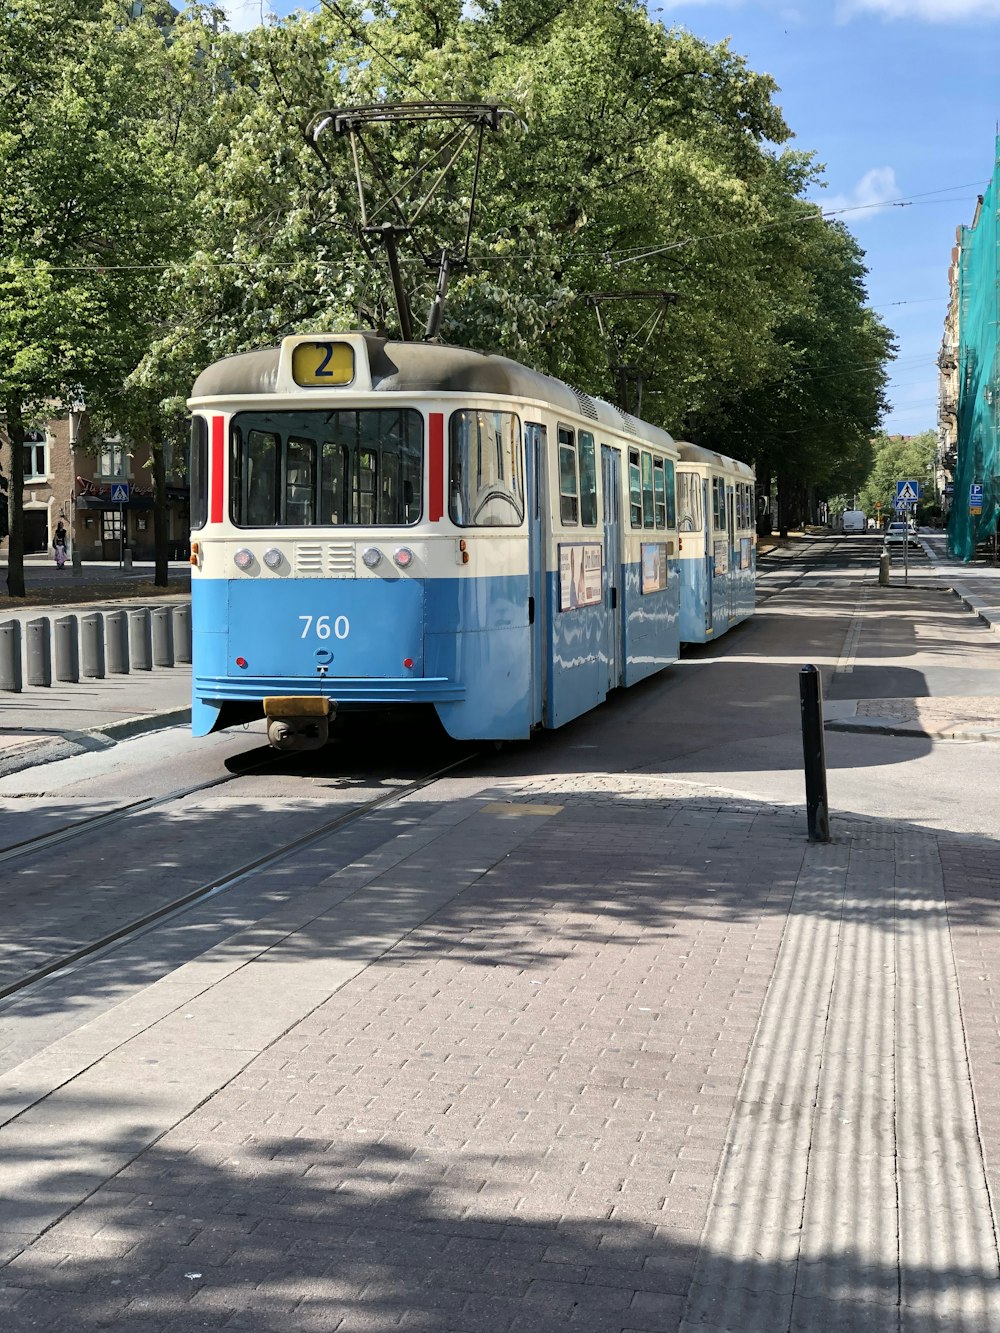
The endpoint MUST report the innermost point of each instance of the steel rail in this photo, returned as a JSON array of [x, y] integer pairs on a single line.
[[90, 822], [229, 880]]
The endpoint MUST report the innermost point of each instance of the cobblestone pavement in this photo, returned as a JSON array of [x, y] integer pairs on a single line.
[[601, 1053]]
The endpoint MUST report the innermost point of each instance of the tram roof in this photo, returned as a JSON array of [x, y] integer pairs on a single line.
[[694, 453], [409, 367]]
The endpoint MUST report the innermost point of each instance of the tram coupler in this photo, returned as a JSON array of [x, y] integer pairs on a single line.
[[296, 722]]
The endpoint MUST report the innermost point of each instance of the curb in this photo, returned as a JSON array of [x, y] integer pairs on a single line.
[[137, 726], [69, 744], [915, 733]]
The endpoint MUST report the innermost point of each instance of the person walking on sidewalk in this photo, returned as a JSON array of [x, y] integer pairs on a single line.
[[59, 546]]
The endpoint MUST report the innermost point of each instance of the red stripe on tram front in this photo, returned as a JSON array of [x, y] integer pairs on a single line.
[[218, 466], [435, 498]]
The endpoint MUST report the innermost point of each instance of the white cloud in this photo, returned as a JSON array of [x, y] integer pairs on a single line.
[[246, 14], [929, 11], [869, 196]]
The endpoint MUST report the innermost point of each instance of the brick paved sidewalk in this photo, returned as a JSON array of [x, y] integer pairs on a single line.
[[595, 1053]]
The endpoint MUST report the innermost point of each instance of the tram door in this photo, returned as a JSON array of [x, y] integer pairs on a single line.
[[535, 455], [731, 543], [611, 485], [709, 579]]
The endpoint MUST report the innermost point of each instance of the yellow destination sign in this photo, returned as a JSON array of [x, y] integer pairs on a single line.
[[322, 365]]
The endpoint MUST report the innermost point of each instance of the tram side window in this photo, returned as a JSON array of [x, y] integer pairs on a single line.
[[719, 504], [689, 514], [659, 494], [647, 490], [198, 472], [668, 468], [634, 488], [588, 480], [569, 505], [487, 478]]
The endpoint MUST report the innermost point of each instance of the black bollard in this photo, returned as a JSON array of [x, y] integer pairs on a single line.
[[814, 755]]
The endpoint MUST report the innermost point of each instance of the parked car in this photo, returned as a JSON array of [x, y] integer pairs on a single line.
[[901, 534]]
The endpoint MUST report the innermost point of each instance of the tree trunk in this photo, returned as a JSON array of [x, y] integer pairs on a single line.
[[15, 544], [160, 517]]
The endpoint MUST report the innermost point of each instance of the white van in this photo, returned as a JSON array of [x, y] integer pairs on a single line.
[[854, 520]]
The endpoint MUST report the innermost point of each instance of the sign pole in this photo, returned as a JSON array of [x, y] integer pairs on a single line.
[[121, 537]]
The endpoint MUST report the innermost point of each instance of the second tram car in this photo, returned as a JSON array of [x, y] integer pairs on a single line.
[[716, 519], [397, 524]]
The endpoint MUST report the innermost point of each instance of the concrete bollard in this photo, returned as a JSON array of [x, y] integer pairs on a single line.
[[92, 645], [39, 652], [10, 656], [67, 636], [116, 626], [163, 636], [883, 567], [140, 640], [182, 633]]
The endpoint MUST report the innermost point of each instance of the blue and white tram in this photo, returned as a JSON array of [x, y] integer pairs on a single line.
[[718, 542], [379, 523]]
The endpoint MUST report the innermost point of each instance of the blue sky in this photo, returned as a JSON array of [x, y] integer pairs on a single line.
[[899, 100]]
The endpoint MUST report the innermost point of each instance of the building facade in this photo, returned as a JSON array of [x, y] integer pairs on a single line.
[[80, 487]]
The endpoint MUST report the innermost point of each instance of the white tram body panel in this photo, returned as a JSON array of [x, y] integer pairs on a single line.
[[395, 524]]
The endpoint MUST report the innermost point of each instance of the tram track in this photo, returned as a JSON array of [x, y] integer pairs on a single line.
[[91, 823], [133, 929]]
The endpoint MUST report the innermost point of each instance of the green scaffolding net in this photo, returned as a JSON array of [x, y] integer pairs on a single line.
[[978, 461]]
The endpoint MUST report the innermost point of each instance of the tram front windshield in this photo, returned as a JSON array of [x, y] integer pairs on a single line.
[[352, 468]]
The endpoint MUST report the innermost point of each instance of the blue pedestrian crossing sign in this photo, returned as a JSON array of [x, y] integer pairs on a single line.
[[119, 493], [907, 492]]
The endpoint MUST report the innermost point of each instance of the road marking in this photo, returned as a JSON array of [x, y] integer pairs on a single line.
[[852, 1194], [849, 652]]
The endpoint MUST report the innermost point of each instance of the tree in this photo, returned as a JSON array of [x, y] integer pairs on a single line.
[[78, 188], [899, 458], [808, 420]]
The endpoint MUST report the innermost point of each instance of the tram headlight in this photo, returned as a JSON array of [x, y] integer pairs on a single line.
[[243, 558], [273, 558], [403, 557], [371, 556]]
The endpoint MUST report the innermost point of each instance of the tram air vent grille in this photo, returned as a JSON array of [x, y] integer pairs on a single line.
[[334, 560], [308, 560], [587, 405], [629, 421], [340, 560]]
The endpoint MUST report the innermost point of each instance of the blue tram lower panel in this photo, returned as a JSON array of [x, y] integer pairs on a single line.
[[466, 641], [728, 599], [651, 625]]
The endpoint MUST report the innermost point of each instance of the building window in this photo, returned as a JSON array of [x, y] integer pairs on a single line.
[[114, 462], [36, 456]]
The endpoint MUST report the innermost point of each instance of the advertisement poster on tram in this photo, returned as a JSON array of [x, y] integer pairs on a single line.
[[580, 574], [654, 566]]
